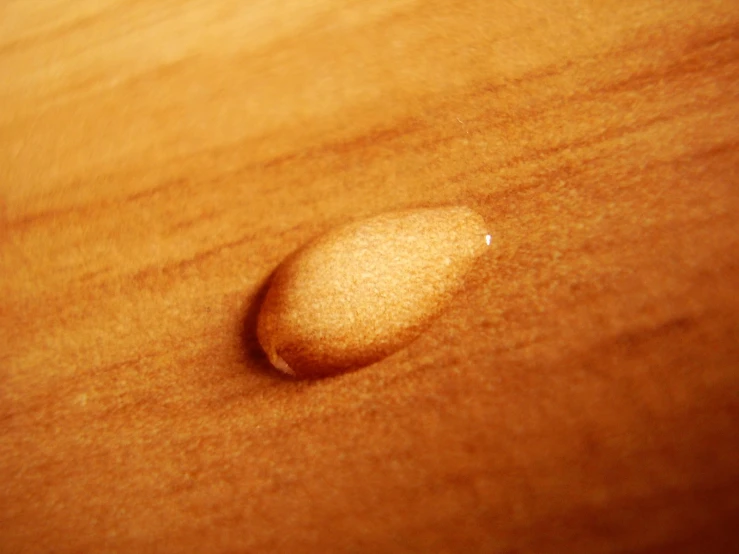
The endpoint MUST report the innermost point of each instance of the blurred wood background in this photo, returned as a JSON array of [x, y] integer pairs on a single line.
[[159, 158]]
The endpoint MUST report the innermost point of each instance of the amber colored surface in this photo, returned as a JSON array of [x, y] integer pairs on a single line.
[[158, 159]]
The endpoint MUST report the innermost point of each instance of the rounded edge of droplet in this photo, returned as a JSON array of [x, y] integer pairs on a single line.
[[281, 365]]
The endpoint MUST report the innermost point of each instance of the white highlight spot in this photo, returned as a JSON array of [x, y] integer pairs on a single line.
[[488, 239]]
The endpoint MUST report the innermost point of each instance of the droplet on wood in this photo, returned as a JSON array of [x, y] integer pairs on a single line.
[[364, 290]]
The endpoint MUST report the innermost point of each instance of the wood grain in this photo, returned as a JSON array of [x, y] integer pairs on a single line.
[[158, 160]]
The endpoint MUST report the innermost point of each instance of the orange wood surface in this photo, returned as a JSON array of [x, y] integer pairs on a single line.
[[158, 159]]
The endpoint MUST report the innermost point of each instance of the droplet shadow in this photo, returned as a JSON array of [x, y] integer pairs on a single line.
[[255, 356]]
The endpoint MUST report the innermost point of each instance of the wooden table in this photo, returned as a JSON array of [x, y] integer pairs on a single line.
[[158, 159]]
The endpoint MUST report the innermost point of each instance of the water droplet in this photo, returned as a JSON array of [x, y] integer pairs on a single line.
[[364, 290]]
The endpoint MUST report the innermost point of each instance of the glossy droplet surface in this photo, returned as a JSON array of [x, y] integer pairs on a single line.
[[364, 290]]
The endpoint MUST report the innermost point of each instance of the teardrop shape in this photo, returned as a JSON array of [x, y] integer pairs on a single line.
[[364, 290]]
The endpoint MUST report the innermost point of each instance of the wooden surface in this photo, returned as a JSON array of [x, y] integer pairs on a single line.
[[158, 159]]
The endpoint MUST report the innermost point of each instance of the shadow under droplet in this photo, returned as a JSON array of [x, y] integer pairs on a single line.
[[255, 356]]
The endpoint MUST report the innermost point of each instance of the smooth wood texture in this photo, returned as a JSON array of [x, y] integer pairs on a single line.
[[158, 160]]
